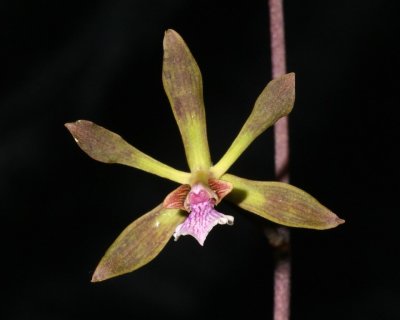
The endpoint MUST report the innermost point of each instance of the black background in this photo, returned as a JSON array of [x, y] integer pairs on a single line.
[[101, 61]]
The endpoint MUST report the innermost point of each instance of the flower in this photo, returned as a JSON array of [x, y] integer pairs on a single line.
[[190, 209]]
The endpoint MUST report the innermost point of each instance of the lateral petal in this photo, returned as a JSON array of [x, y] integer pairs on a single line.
[[106, 146], [274, 102]]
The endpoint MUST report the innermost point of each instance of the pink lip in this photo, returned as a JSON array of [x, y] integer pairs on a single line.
[[196, 198]]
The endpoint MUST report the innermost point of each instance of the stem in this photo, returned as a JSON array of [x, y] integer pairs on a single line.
[[279, 236]]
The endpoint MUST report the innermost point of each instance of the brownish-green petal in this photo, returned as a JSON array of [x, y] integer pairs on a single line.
[[106, 146], [183, 84], [281, 203], [139, 243], [274, 102]]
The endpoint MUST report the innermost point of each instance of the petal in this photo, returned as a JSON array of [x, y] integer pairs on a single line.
[[274, 102], [201, 220], [106, 146], [281, 203], [139, 243], [183, 84]]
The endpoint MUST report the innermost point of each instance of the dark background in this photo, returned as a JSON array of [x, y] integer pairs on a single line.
[[101, 61]]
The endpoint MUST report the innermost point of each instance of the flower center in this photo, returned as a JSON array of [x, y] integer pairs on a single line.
[[202, 217]]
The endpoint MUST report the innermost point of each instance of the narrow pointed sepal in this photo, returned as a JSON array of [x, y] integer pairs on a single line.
[[183, 85], [106, 146], [139, 243], [274, 102], [281, 203]]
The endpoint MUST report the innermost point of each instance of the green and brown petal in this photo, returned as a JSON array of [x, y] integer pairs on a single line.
[[106, 146], [274, 102]]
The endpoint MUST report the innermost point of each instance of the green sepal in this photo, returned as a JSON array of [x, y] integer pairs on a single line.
[[139, 243], [183, 85], [281, 203]]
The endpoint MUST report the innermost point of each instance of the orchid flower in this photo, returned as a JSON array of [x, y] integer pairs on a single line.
[[190, 209]]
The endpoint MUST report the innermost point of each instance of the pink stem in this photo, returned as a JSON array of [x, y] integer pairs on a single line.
[[279, 237]]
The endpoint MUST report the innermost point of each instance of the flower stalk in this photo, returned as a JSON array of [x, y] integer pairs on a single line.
[[279, 236]]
